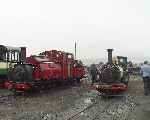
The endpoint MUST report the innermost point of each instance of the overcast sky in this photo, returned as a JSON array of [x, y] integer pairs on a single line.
[[95, 24]]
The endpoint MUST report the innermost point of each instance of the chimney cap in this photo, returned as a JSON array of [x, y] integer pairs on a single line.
[[110, 50]]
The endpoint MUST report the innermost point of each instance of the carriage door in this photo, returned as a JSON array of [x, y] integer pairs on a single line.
[[70, 66], [70, 70]]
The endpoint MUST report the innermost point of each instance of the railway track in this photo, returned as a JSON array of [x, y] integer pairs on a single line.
[[76, 115], [97, 108]]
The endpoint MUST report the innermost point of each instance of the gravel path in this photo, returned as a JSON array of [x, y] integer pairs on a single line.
[[78, 103]]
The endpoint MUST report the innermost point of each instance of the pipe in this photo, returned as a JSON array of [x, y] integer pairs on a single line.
[[109, 55], [23, 53]]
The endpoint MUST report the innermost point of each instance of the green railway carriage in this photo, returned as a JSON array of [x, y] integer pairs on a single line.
[[9, 56]]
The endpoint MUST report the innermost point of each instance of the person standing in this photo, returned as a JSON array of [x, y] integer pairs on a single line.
[[145, 72], [93, 72]]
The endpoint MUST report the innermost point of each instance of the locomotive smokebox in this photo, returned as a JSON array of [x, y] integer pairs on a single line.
[[109, 55]]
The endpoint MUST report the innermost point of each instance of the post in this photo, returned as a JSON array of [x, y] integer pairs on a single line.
[[75, 50]]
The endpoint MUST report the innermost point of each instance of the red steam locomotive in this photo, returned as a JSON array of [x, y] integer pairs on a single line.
[[44, 70]]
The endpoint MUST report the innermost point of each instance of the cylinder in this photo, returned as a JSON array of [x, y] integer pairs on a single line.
[[109, 55]]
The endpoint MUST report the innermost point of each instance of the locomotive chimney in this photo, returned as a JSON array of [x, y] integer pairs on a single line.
[[109, 55], [23, 53]]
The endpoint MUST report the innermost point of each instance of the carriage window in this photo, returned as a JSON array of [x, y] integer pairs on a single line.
[[13, 56], [10, 56], [16, 56], [7, 56], [2, 56], [121, 60]]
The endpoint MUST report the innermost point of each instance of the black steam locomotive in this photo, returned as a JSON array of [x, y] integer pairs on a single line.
[[113, 76]]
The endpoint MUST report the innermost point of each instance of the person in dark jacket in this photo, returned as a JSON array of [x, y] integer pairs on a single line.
[[93, 72], [145, 72]]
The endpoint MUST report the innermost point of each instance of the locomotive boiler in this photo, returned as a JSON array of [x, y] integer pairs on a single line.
[[113, 76]]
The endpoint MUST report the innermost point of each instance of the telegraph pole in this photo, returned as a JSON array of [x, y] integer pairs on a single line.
[[75, 50]]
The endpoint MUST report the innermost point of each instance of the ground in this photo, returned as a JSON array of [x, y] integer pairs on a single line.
[[78, 102]]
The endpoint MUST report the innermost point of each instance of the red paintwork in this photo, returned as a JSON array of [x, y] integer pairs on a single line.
[[66, 60], [18, 86], [45, 70], [2, 85], [51, 71], [37, 75], [78, 72], [8, 85], [22, 86], [113, 88]]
